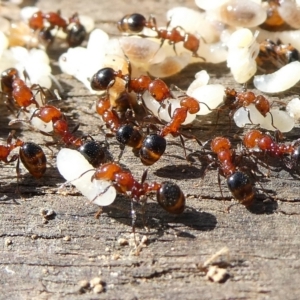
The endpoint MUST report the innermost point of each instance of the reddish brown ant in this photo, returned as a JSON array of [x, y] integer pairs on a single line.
[[255, 139], [31, 155], [235, 100], [75, 30], [238, 182], [135, 23], [168, 194]]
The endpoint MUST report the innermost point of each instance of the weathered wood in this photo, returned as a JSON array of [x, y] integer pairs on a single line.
[[46, 260]]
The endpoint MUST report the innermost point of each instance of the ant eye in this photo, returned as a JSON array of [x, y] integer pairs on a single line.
[[171, 198], [102, 79]]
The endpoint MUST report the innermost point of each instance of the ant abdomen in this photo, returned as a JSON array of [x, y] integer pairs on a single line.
[[241, 188], [171, 198], [130, 136], [103, 79], [76, 35], [133, 23], [152, 149], [33, 158], [93, 152]]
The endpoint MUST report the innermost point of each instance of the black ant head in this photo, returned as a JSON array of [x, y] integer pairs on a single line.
[[103, 79], [94, 153], [241, 188], [133, 23], [129, 135], [152, 149], [171, 198]]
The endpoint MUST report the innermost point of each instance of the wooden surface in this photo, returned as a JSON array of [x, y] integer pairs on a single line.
[[47, 260]]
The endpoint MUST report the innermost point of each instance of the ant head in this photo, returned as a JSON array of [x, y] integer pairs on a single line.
[[103, 79], [133, 23], [171, 198], [152, 149]]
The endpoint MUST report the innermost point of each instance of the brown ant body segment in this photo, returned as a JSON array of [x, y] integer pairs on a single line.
[[31, 155], [238, 182], [135, 23], [168, 194]]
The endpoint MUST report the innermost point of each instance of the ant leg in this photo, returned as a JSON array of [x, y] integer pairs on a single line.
[[98, 213], [272, 120], [183, 145]]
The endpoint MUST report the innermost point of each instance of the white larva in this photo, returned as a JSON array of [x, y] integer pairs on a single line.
[[73, 166], [279, 81]]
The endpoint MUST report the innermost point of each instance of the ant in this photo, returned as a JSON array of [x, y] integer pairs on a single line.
[[235, 100], [17, 91], [31, 155], [168, 194], [73, 28], [277, 53], [105, 78], [266, 144], [238, 182], [135, 23]]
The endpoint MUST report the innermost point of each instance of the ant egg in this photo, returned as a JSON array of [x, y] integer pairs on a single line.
[[281, 121], [279, 81], [211, 94], [171, 65], [208, 5], [193, 21], [293, 108], [290, 13], [201, 79], [242, 13], [241, 116], [242, 52], [142, 51], [99, 192]]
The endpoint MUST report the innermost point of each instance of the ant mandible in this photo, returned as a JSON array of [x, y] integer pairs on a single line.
[[135, 23]]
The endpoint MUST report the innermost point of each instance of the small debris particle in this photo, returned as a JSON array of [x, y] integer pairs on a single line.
[[115, 256], [34, 237], [216, 274], [84, 284], [67, 238], [95, 281], [8, 242], [98, 288], [107, 249], [123, 242], [48, 214], [183, 171]]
